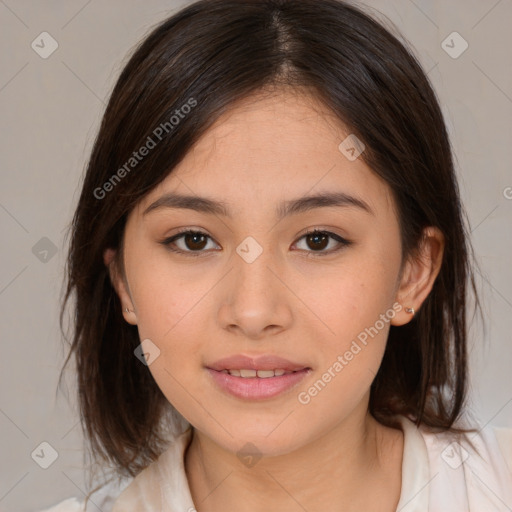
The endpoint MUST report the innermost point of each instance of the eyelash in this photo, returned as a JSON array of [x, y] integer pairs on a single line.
[[310, 254]]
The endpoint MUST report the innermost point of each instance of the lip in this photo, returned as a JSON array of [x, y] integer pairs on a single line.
[[263, 362], [255, 388]]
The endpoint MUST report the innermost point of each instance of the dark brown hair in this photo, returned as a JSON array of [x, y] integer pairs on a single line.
[[209, 55]]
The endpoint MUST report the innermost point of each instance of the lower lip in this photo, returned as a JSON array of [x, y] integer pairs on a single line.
[[255, 388]]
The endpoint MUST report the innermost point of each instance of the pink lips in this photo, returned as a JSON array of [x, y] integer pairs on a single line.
[[256, 388]]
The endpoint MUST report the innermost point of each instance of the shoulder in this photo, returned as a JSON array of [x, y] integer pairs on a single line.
[[504, 439], [474, 468], [103, 499], [443, 470], [486, 445]]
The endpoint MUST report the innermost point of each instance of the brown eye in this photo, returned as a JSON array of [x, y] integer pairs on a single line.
[[190, 242], [317, 241], [195, 241]]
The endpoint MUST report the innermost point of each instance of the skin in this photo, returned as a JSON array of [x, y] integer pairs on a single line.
[[266, 149]]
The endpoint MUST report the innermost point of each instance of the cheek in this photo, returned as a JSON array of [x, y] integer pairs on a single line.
[[166, 296], [170, 312], [355, 306], [353, 297], [350, 354]]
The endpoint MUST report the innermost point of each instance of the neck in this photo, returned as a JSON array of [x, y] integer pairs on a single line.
[[356, 465]]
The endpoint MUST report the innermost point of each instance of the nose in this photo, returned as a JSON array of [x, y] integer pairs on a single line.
[[255, 302]]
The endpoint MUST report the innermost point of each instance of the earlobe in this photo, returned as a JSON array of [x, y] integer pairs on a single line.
[[420, 273], [120, 286], [130, 316]]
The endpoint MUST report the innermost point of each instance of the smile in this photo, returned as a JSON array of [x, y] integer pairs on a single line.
[[257, 384]]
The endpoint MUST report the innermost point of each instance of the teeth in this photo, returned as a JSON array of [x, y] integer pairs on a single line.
[[262, 374], [248, 373]]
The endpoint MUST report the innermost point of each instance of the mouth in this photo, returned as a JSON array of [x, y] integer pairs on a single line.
[[256, 378], [254, 385], [260, 363]]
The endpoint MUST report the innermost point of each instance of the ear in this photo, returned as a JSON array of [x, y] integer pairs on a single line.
[[120, 285], [419, 274]]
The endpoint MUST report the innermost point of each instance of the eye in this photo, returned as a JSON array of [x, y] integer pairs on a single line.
[[317, 241], [191, 242]]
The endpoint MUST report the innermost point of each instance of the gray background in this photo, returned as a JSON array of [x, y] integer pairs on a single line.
[[51, 109]]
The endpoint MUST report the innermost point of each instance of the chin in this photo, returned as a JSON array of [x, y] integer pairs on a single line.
[[266, 439]]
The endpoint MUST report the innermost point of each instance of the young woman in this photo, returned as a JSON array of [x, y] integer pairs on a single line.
[[270, 267]]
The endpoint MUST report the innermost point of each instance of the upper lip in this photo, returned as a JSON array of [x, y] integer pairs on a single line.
[[263, 362]]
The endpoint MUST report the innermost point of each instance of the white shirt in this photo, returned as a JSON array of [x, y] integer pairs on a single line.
[[440, 473]]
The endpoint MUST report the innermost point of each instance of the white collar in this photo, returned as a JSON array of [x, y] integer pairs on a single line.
[[163, 485], [415, 470]]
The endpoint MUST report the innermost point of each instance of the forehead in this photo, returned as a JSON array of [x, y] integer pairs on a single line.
[[270, 147]]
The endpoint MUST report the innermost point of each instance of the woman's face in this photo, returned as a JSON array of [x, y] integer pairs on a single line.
[[256, 285]]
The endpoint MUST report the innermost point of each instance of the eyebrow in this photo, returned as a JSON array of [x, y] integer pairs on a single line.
[[290, 207]]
